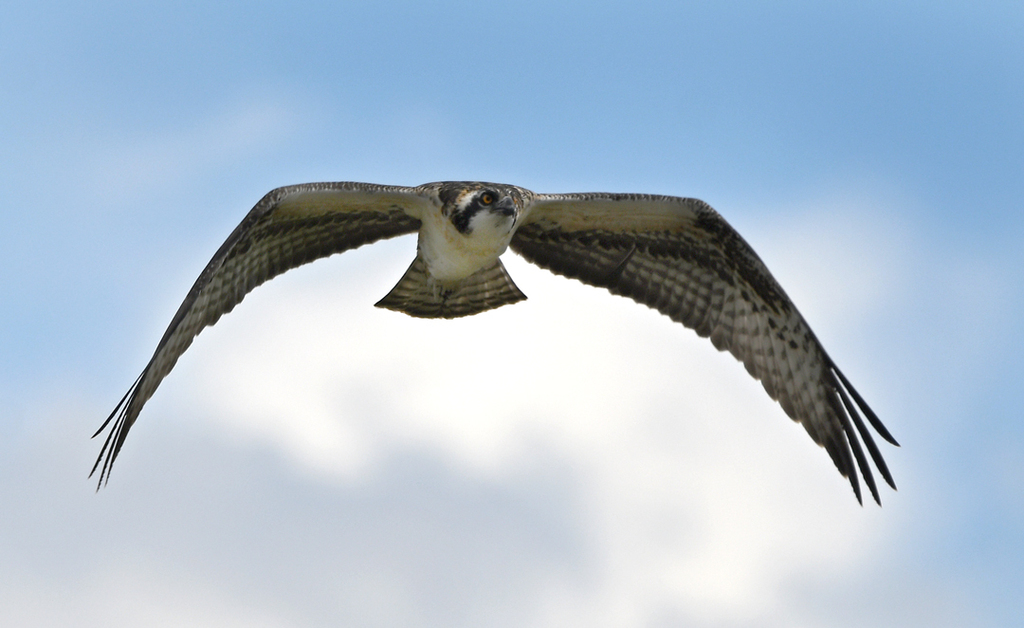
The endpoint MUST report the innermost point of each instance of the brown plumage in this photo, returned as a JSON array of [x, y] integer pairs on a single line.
[[676, 255]]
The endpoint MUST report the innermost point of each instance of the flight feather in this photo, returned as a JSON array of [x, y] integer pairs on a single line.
[[289, 227], [676, 255], [680, 257]]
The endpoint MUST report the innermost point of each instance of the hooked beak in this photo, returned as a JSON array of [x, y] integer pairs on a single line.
[[506, 207]]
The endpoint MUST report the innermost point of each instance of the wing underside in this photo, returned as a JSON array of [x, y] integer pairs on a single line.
[[675, 255], [289, 227], [680, 257]]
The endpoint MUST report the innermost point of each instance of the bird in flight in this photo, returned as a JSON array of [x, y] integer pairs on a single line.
[[676, 255]]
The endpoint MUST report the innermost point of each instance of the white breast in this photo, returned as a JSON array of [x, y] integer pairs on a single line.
[[451, 255]]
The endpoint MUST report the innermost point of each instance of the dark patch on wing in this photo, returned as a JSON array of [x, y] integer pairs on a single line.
[[265, 244], [702, 274]]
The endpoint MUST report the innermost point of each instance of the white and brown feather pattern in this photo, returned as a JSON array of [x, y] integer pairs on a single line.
[[289, 227], [681, 258], [675, 255], [417, 294]]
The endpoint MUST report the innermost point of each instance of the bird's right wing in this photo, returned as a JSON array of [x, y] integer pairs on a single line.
[[289, 227]]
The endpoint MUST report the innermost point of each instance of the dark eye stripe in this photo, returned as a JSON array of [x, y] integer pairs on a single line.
[[461, 219]]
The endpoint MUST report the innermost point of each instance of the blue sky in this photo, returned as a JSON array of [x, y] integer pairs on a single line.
[[313, 460]]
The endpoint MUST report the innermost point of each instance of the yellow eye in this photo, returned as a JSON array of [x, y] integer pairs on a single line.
[[486, 198]]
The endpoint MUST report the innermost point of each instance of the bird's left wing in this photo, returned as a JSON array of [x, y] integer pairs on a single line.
[[680, 257], [289, 227]]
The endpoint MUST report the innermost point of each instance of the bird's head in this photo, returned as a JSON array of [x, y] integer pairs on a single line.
[[481, 209]]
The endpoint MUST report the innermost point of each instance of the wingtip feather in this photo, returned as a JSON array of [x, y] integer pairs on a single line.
[[854, 425], [115, 438], [868, 412]]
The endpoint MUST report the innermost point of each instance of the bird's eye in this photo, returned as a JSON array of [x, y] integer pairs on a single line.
[[486, 198]]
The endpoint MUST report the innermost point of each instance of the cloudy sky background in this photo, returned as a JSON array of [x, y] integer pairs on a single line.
[[572, 460]]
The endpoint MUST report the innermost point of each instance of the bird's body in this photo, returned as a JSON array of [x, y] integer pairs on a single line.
[[673, 254], [456, 243]]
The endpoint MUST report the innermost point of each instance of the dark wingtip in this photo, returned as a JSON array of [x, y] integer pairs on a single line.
[[839, 450], [853, 482], [868, 412], [851, 419], [118, 431]]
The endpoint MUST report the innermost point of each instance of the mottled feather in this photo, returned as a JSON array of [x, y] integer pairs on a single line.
[[680, 257], [676, 255], [289, 227], [418, 294]]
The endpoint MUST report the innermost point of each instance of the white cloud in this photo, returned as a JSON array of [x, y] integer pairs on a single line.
[[700, 498], [142, 596], [839, 258]]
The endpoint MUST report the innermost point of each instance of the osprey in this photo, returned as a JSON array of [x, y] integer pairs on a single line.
[[676, 255]]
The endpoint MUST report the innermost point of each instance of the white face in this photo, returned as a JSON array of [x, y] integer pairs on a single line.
[[485, 213], [472, 230]]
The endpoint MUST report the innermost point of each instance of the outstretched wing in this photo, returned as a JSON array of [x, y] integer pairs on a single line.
[[680, 257], [289, 227]]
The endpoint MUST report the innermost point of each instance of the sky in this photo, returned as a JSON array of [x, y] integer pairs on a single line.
[[572, 460]]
